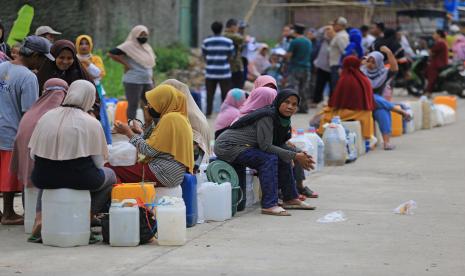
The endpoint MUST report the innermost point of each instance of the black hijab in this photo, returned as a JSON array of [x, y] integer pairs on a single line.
[[281, 124]]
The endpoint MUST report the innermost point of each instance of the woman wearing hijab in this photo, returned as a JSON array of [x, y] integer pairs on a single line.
[[379, 77], [355, 44], [3, 45], [265, 81], [138, 59], [66, 65], [21, 162], [198, 121], [391, 41], [69, 148], [258, 140], [167, 146], [229, 110], [352, 99], [260, 97], [95, 69]]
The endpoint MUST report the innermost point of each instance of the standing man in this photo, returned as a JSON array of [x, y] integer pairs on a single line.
[[232, 32], [19, 89], [438, 59], [337, 47], [217, 50], [299, 56], [367, 39], [48, 33]]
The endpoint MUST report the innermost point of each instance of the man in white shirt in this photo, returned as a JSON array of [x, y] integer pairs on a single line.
[[367, 39], [337, 47]]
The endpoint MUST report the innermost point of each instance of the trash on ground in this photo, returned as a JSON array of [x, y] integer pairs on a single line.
[[336, 216], [406, 208]]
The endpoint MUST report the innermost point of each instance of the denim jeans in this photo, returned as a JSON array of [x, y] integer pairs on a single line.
[[382, 114], [273, 173]]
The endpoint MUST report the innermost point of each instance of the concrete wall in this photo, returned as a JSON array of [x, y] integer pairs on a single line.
[[266, 22], [108, 21]]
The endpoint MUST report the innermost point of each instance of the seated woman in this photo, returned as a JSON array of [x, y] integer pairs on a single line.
[[265, 81], [167, 146], [21, 161], [69, 148], [379, 77], [198, 121], [229, 110], [352, 99], [252, 141]]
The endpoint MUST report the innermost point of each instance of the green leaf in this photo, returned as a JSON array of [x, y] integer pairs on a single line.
[[22, 25]]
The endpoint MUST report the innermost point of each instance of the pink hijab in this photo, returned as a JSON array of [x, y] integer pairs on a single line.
[[230, 108], [52, 97], [259, 98], [264, 80]]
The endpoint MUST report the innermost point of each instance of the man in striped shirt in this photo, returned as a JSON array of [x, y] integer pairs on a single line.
[[217, 51]]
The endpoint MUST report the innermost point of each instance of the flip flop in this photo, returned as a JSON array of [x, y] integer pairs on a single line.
[[307, 192], [35, 239], [301, 206], [277, 211]]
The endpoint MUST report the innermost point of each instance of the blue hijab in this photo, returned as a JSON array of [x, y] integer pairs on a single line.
[[355, 44]]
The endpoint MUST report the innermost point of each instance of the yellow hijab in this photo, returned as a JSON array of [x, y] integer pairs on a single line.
[[96, 60], [173, 133]]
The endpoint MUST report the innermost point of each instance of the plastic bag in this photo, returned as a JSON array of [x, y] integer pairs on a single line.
[[337, 216], [122, 154], [406, 208]]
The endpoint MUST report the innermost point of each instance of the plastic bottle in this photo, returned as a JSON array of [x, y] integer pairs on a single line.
[[318, 148], [171, 221], [335, 145], [189, 195], [65, 217], [351, 146], [124, 223], [303, 143]]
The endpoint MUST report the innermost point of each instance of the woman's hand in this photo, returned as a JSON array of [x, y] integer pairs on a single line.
[[305, 160], [123, 129], [136, 128]]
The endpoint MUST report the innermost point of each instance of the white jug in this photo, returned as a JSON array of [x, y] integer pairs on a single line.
[[124, 223], [30, 203], [65, 217], [171, 221], [448, 114], [304, 144], [165, 191], [417, 113], [217, 201], [318, 149], [335, 145]]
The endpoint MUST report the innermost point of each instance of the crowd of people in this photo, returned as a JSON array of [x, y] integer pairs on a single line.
[[54, 129]]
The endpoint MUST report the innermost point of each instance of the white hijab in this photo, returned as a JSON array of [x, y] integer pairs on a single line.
[[199, 123], [69, 132], [140, 53]]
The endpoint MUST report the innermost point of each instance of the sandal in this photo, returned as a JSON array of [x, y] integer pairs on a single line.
[[93, 239], [17, 221], [389, 147], [276, 211], [35, 239], [300, 206], [308, 193]]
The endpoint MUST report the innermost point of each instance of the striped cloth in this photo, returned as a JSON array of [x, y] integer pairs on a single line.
[[217, 50], [169, 172]]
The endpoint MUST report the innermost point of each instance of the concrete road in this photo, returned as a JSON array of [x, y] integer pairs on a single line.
[[427, 166]]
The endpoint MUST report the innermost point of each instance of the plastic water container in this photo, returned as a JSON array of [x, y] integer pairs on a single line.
[[396, 124], [303, 143], [318, 148], [409, 127], [417, 114], [65, 217], [426, 111], [121, 111], [165, 191], [171, 221], [335, 145], [249, 191], [351, 139], [201, 175], [356, 127], [189, 194], [217, 201], [111, 110], [124, 223], [450, 101], [437, 119], [30, 203], [448, 114], [144, 191]]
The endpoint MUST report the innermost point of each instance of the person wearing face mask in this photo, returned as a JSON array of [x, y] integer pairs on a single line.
[[167, 145], [19, 90], [138, 59]]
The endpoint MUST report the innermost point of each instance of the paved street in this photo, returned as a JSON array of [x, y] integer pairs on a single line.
[[427, 166]]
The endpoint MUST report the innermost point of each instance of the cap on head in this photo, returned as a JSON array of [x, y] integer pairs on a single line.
[[341, 21], [43, 30], [39, 45], [299, 28]]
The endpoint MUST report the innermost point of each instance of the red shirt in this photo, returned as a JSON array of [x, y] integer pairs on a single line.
[[439, 54]]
